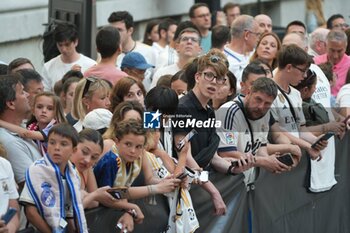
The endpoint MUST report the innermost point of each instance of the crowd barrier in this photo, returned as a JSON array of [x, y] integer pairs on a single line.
[[277, 203]]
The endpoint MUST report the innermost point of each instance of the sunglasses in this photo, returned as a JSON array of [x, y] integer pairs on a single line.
[[89, 80], [216, 59]]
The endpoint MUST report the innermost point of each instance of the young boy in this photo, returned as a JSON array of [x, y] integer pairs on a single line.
[[122, 164], [51, 194]]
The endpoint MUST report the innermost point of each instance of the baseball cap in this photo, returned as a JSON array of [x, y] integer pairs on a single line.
[[135, 60], [97, 119]]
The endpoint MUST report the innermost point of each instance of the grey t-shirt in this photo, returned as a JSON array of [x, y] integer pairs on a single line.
[[20, 152]]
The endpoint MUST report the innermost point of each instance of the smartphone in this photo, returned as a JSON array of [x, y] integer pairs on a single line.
[[187, 138], [11, 212], [346, 119], [119, 192], [235, 163], [326, 136], [181, 176], [204, 176], [286, 159]]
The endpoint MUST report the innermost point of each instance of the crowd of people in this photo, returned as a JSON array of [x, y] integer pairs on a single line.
[[75, 135]]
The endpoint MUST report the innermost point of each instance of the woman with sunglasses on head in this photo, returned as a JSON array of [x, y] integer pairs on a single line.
[[90, 93]]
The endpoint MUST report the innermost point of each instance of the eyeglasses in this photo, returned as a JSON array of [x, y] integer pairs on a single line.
[[304, 72], [187, 38], [341, 25], [89, 80], [203, 15], [209, 76], [216, 59], [255, 33]]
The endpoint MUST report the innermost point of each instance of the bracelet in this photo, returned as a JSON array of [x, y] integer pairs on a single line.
[[132, 212], [151, 190]]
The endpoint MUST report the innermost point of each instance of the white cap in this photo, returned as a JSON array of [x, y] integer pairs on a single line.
[[98, 118]]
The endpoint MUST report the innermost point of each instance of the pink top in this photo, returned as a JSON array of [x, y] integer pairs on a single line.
[[107, 72], [340, 69]]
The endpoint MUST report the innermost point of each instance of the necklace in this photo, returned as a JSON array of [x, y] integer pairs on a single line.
[[131, 48]]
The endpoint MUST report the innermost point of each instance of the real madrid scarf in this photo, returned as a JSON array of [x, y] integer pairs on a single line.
[[127, 172], [182, 217], [45, 185]]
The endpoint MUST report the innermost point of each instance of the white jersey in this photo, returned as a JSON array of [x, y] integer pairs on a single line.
[[281, 111], [237, 63], [8, 190], [236, 135], [322, 172], [322, 93], [54, 69], [343, 97]]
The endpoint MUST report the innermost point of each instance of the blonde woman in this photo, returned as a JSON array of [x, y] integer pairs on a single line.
[[90, 93]]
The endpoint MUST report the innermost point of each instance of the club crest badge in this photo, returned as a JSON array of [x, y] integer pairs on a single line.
[[229, 138], [47, 196]]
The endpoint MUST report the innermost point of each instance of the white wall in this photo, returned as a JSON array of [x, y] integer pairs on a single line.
[[21, 20]]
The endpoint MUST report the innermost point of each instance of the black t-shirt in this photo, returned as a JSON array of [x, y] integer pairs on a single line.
[[202, 120]]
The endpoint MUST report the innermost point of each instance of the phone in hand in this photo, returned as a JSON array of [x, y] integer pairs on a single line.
[[187, 138], [326, 136], [181, 176], [11, 212], [345, 122], [235, 163], [119, 192], [346, 119], [286, 159]]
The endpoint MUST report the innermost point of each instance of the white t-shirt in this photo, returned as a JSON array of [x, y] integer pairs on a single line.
[[281, 112], [54, 69], [150, 57], [172, 69], [237, 63], [343, 97], [168, 57], [8, 188], [157, 49]]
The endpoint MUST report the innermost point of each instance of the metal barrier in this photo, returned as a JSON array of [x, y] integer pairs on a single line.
[[278, 204]]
